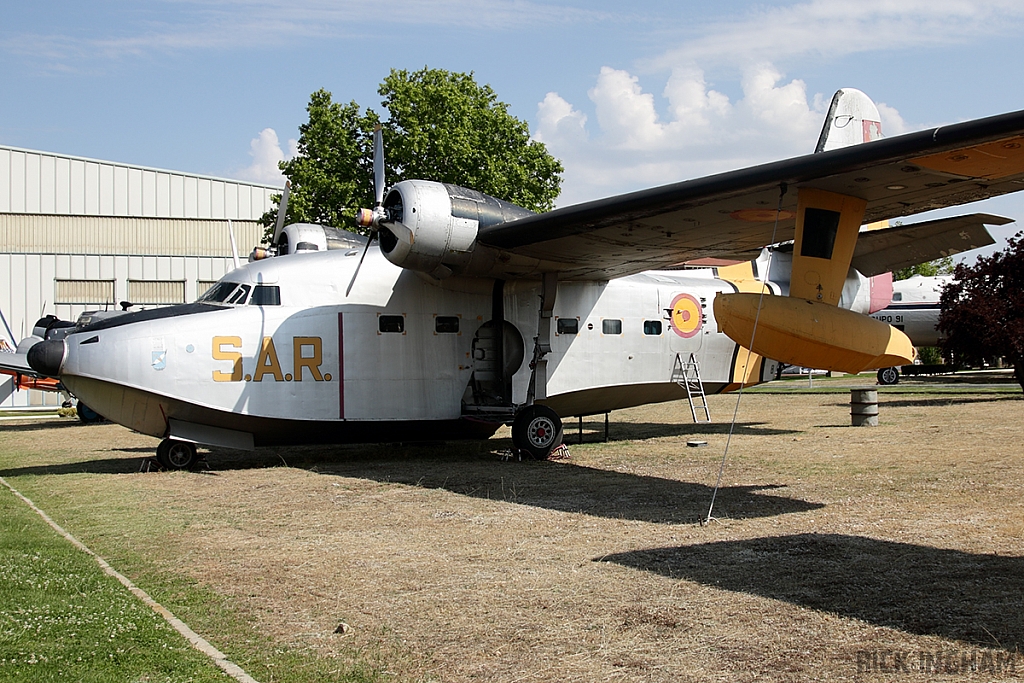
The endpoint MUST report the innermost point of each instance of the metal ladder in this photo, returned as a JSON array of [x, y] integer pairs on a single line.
[[687, 375]]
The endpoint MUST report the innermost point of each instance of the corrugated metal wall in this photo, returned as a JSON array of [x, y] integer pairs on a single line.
[[80, 234], [41, 182], [36, 234], [33, 285]]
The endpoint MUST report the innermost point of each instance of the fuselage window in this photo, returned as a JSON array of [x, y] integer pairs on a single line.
[[446, 324], [391, 323], [568, 326], [611, 326], [652, 327], [266, 295], [897, 296]]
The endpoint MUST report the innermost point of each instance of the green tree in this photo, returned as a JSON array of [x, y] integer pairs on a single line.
[[444, 126], [942, 266], [440, 126], [332, 174], [982, 313]]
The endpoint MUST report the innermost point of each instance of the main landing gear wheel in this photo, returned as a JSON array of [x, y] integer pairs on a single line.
[[176, 455], [888, 376], [537, 430]]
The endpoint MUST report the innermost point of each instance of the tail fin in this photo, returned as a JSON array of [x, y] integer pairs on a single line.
[[852, 119]]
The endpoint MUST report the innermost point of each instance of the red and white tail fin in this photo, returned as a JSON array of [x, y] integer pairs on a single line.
[[852, 119]]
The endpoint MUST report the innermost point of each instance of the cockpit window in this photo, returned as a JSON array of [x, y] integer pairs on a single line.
[[266, 295], [220, 291], [239, 296]]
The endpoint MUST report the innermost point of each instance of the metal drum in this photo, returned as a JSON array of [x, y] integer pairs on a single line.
[[864, 407]]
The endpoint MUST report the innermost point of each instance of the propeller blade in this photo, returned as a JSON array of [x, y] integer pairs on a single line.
[[378, 164], [358, 265], [282, 209]]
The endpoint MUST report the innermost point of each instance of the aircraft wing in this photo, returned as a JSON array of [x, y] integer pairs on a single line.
[[889, 249], [732, 215]]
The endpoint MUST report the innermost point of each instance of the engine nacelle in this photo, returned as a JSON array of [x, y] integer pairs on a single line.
[[431, 227], [297, 238]]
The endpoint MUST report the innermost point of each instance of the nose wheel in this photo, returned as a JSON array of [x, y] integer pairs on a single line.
[[86, 414], [176, 455], [537, 430]]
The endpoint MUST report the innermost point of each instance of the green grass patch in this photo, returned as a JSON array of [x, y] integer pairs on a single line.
[[63, 619]]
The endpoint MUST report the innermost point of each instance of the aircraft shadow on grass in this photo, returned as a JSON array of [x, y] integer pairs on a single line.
[[593, 430], [934, 401], [913, 588], [567, 487], [473, 468], [44, 425]]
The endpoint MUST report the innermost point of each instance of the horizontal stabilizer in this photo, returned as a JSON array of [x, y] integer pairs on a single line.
[[16, 363], [889, 249]]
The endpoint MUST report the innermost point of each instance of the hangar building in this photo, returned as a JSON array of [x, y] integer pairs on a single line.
[[81, 234]]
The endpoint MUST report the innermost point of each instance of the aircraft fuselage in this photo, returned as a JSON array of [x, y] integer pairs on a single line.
[[287, 357]]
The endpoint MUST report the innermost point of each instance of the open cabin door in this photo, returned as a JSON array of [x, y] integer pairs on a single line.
[[498, 353]]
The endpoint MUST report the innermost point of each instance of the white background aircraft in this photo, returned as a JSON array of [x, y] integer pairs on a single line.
[[915, 311], [467, 312]]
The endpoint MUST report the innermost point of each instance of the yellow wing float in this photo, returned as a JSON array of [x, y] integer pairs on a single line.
[[807, 328]]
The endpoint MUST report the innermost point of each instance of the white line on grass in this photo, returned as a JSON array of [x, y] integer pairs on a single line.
[[198, 642]]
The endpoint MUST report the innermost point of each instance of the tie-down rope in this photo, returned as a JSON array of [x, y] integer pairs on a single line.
[[746, 362]]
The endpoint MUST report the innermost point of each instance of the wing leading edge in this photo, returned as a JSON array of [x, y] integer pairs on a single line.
[[732, 215]]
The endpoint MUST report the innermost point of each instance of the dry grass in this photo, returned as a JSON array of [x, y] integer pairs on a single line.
[[830, 541]]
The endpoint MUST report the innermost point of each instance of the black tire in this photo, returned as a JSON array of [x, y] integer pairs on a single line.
[[86, 414], [176, 455], [889, 376], [537, 430]]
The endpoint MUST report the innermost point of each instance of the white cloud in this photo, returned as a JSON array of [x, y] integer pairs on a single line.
[[558, 121], [265, 150], [892, 122], [704, 132], [694, 130], [690, 102], [625, 113]]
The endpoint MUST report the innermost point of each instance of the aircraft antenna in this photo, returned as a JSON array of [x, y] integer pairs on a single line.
[[743, 375]]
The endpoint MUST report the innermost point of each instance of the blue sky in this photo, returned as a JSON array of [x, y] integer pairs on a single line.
[[627, 95]]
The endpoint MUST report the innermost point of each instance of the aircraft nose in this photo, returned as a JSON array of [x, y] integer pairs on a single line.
[[47, 357]]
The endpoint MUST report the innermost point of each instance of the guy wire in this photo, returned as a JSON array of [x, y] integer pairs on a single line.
[[746, 362]]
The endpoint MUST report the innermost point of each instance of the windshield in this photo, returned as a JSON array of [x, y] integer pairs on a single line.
[[230, 293]]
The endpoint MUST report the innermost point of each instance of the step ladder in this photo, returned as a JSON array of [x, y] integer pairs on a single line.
[[687, 375]]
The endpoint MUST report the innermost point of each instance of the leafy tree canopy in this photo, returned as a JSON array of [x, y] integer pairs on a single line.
[[943, 266], [440, 126], [982, 312]]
